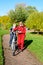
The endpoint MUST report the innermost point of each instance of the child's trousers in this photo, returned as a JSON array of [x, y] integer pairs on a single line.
[[11, 37]]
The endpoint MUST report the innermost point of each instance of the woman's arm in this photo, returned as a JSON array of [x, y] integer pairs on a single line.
[[16, 28]]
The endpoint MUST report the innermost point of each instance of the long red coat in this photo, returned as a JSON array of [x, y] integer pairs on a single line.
[[21, 36]]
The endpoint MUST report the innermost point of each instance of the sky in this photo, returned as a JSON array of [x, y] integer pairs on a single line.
[[6, 5]]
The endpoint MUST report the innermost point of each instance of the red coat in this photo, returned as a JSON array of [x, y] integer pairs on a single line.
[[20, 29], [21, 36]]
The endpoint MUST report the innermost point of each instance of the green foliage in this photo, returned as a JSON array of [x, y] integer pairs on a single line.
[[28, 14], [12, 16], [5, 22], [31, 9], [19, 14], [8, 25], [35, 21]]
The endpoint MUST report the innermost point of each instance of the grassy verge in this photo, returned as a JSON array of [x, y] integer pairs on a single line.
[[1, 57], [2, 32], [35, 45]]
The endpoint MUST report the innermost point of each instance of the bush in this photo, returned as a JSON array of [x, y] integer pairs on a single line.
[[35, 21]]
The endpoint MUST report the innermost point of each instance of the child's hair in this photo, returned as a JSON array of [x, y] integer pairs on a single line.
[[14, 25]]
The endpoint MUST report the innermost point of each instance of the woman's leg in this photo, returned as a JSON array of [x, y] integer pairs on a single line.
[[19, 41], [22, 42]]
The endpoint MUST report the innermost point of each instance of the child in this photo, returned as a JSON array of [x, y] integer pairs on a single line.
[[13, 45], [13, 39]]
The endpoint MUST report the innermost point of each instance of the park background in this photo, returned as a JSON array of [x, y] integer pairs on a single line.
[[30, 12]]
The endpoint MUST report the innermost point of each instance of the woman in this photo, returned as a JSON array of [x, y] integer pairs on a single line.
[[21, 35]]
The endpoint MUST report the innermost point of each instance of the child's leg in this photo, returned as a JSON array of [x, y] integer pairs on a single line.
[[13, 45], [11, 37]]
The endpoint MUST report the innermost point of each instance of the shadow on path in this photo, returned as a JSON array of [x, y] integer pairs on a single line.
[[27, 43]]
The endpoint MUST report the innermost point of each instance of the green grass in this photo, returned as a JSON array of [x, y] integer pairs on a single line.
[[2, 32], [1, 57], [36, 45]]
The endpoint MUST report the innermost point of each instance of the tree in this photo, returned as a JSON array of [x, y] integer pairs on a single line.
[[31, 9], [4, 22], [12, 16], [19, 14], [35, 21]]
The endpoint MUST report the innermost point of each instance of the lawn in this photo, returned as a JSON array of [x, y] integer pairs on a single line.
[[2, 32], [35, 45]]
